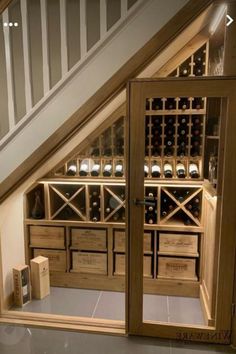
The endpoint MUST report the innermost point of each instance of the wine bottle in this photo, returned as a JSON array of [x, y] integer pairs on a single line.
[[150, 215], [119, 169], [156, 151], [84, 168], [196, 212], [116, 217], [168, 151], [25, 285], [184, 70], [146, 170], [183, 104], [181, 152], [195, 152], [156, 121], [123, 216], [170, 104], [169, 141], [169, 120], [95, 215], [169, 130], [164, 207], [182, 130], [187, 221], [180, 170], [107, 151], [198, 70], [71, 171], [197, 103], [95, 170], [107, 170], [113, 202], [213, 170], [196, 120], [196, 130], [157, 104], [168, 170], [193, 170], [183, 120], [38, 209], [95, 152], [156, 170]]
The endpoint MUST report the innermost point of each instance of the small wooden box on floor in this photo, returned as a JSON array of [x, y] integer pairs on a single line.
[[22, 287], [40, 277]]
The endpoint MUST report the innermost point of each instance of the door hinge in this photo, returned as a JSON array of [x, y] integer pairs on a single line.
[[233, 309]]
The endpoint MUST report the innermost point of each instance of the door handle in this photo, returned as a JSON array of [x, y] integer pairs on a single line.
[[149, 201]]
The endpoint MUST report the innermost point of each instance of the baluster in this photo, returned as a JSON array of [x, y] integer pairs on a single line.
[[28, 89], [64, 52], [46, 83], [9, 70], [83, 30], [103, 18]]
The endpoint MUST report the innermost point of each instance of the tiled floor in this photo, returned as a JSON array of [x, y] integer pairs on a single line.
[[22, 340], [111, 305]]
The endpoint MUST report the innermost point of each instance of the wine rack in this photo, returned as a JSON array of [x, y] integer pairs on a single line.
[[81, 225], [195, 65], [174, 137]]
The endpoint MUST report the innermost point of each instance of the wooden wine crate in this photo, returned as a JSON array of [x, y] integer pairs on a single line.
[[178, 244], [86, 262], [47, 236], [57, 259], [177, 268], [40, 277], [119, 241], [89, 239], [120, 265], [22, 285]]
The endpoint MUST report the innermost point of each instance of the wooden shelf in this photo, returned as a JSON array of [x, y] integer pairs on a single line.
[[178, 254], [160, 277]]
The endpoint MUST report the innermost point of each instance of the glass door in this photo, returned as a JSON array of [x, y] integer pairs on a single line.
[[180, 208]]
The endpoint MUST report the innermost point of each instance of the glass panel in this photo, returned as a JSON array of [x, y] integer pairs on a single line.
[[82, 229], [182, 140]]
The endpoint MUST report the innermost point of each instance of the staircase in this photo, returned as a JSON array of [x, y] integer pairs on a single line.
[[56, 54]]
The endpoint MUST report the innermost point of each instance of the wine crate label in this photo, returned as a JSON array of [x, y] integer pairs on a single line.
[[176, 268], [89, 239], [57, 259], [178, 243], [85, 262], [119, 241], [120, 265], [40, 277], [22, 286], [47, 236]]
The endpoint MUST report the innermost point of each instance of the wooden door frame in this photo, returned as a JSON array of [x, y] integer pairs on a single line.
[[138, 91]]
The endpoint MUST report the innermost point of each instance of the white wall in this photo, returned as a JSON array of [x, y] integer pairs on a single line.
[[148, 21]]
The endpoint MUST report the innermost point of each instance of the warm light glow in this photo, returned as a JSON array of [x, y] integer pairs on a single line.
[[218, 17]]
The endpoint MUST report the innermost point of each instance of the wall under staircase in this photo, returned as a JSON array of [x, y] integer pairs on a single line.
[[65, 84]]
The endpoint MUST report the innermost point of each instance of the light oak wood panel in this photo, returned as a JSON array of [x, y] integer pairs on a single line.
[[211, 87], [105, 94]]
